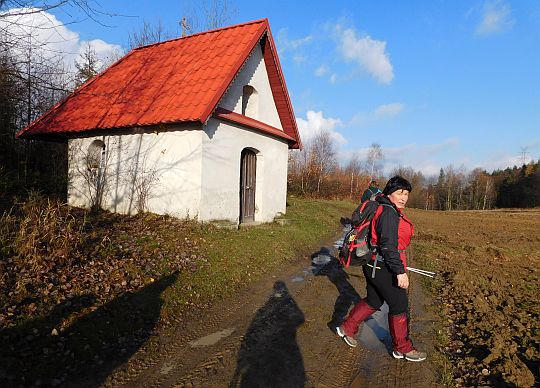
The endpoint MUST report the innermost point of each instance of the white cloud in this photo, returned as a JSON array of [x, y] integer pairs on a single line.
[[496, 18], [284, 44], [106, 52], [389, 109], [295, 43], [315, 122], [51, 39], [427, 159], [368, 53], [500, 161], [299, 58], [321, 71], [381, 112], [430, 158]]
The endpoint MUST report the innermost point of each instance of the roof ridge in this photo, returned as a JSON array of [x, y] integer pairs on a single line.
[[202, 33]]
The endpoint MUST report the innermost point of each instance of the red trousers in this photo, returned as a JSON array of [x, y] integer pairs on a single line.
[[382, 288]]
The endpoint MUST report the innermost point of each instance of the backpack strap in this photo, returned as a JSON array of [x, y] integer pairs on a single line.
[[376, 247], [390, 206]]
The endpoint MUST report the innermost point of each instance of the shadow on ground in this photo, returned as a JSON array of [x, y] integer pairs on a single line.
[[324, 264], [269, 355], [89, 348]]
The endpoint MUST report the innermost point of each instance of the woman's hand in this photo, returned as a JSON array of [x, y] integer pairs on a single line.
[[403, 280]]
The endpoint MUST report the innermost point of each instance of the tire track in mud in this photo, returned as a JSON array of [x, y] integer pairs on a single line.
[[216, 369], [329, 361], [176, 357]]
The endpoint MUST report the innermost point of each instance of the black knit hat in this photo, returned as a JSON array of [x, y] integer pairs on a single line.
[[397, 183]]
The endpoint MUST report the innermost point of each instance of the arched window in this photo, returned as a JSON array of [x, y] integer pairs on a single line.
[[96, 151], [250, 103]]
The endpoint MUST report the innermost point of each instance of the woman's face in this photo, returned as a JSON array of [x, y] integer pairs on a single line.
[[399, 198]]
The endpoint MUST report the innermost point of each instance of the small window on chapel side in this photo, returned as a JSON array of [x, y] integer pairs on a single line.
[[95, 154], [250, 103]]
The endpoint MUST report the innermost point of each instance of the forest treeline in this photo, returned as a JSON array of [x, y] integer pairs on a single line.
[[315, 172]]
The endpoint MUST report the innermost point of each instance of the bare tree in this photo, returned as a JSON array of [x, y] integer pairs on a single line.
[[353, 170], [304, 170], [449, 187], [23, 6], [199, 15], [374, 161], [218, 13], [489, 193], [323, 156], [34, 77], [148, 33], [417, 197], [481, 191], [12, 11], [9, 110]]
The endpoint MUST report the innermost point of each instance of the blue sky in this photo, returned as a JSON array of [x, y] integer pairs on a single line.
[[434, 82]]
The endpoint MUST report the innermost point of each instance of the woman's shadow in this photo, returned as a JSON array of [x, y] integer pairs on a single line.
[[324, 264], [269, 355]]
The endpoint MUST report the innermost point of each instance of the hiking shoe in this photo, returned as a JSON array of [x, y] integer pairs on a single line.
[[348, 340], [413, 355]]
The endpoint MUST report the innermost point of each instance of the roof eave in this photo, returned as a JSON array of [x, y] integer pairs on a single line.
[[270, 55], [251, 123], [114, 131]]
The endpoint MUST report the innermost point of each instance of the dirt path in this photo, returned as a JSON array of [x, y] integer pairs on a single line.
[[276, 334]]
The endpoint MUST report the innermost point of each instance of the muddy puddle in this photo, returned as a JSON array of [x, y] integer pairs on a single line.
[[374, 333]]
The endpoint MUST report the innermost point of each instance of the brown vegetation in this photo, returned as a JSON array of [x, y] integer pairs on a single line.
[[51, 252], [487, 292], [83, 289]]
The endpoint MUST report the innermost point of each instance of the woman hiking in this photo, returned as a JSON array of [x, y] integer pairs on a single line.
[[385, 274]]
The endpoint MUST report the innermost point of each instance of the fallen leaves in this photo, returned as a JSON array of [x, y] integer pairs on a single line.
[[57, 253]]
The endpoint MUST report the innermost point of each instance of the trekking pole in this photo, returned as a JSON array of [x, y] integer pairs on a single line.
[[421, 270], [429, 274]]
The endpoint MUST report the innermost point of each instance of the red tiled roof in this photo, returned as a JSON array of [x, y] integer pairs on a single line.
[[176, 81]]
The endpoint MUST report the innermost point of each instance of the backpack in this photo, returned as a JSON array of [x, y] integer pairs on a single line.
[[370, 194], [356, 249]]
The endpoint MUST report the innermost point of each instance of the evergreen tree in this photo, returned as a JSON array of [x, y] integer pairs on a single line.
[[88, 65]]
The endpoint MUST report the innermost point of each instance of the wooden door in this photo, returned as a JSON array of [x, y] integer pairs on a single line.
[[248, 168]]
